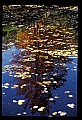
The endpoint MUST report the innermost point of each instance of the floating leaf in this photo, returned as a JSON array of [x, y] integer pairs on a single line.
[[59, 112], [67, 91], [28, 76], [56, 96], [51, 78], [35, 107], [46, 82], [46, 91], [55, 82], [51, 99], [20, 102], [50, 116], [54, 113], [41, 109], [14, 101], [15, 86], [18, 73], [18, 113], [43, 78], [55, 74], [45, 74], [6, 84], [48, 62], [63, 113], [71, 105], [70, 95], [24, 113]]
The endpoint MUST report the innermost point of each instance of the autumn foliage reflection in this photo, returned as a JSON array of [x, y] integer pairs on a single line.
[[38, 72]]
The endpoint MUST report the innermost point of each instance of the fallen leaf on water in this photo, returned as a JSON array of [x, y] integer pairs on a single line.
[[18, 113], [56, 96], [51, 78], [59, 112], [70, 95], [46, 82], [46, 91], [71, 105], [67, 91], [20, 102], [28, 76], [63, 113], [35, 107], [48, 62], [51, 99], [24, 113], [45, 74], [55, 74], [14, 101], [41, 109], [18, 73], [54, 113], [50, 116], [6, 84], [55, 82]]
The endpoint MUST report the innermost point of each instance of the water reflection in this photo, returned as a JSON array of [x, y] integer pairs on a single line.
[[39, 67], [38, 73]]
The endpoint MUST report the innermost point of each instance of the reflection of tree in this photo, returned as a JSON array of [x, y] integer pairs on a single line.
[[45, 71], [34, 86]]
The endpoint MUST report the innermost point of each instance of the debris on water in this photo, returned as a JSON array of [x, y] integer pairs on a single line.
[[56, 96], [54, 113], [71, 105], [63, 113], [46, 82], [15, 86], [51, 78], [20, 102], [45, 74], [51, 99], [55, 74], [14, 101], [39, 67], [6, 84], [46, 91], [67, 91], [24, 113], [59, 112], [41, 108], [35, 107], [75, 69], [18, 113], [3, 93], [55, 82], [70, 96], [67, 68]]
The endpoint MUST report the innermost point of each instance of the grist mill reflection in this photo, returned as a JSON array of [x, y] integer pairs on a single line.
[[39, 64]]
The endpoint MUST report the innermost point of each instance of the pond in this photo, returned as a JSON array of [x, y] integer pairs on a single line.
[[40, 72]]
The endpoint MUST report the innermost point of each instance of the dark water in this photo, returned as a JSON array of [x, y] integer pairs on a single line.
[[39, 78], [32, 93]]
